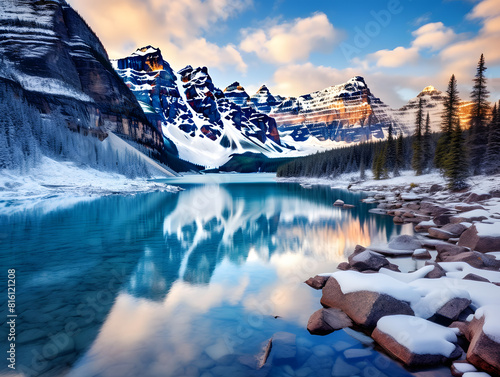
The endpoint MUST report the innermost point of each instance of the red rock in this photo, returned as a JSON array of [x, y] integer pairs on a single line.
[[475, 278], [483, 352], [442, 219], [317, 282], [367, 260], [407, 357], [344, 266], [325, 321], [473, 197], [436, 273], [363, 307], [452, 309], [480, 242], [475, 259]]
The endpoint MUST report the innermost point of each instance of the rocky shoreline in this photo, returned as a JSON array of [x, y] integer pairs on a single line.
[[447, 311]]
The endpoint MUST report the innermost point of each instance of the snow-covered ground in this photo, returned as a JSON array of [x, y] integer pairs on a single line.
[[65, 183], [478, 184]]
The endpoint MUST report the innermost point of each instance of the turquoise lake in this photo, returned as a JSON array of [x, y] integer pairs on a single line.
[[193, 283]]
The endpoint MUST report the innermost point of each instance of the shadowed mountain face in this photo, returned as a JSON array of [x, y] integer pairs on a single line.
[[195, 117], [50, 56]]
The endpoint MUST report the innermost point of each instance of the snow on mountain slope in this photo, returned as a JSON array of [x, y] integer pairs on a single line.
[[264, 101], [433, 103], [196, 119], [343, 113]]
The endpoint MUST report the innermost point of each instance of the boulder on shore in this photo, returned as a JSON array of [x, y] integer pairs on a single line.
[[367, 260], [483, 334], [448, 231], [364, 307], [481, 237], [416, 342]]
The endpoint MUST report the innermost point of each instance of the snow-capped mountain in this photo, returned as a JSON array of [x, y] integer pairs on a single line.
[[237, 94], [432, 103], [347, 112], [201, 124], [264, 101], [50, 57]]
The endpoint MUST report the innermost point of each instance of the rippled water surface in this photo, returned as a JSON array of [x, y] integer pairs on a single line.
[[193, 283]]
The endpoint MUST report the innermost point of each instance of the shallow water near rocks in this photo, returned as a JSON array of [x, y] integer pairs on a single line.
[[193, 283]]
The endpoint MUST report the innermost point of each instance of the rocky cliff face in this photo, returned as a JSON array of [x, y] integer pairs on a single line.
[[196, 117], [348, 112], [51, 56]]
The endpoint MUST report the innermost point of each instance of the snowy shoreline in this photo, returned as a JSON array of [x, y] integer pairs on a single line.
[[445, 312], [56, 183]]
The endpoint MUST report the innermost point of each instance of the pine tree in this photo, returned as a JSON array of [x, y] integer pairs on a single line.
[[416, 162], [478, 133], [492, 158], [448, 120], [391, 150], [399, 155], [455, 165], [427, 145]]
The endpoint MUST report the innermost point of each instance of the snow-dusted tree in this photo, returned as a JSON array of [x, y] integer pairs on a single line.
[[478, 133], [416, 161], [449, 119], [427, 145], [455, 165], [391, 150], [492, 158]]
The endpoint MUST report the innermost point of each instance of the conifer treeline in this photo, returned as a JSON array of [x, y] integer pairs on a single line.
[[457, 154]]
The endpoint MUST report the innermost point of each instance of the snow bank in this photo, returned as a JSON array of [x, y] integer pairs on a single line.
[[56, 183], [459, 270], [418, 335], [488, 230]]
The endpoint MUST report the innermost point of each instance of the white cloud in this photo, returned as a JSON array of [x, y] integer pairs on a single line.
[[398, 57], [291, 42], [176, 27], [298, 79], [461, 58], [433, 35]]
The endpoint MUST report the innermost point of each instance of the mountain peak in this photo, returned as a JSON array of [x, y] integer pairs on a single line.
[[234, 87], [430, 90], [146, 51], [263, 89]]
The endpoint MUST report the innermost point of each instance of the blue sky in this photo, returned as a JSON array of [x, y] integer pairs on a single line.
[[295, 47]]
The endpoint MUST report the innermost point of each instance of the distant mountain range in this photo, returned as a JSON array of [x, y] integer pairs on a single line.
[[50, 57]]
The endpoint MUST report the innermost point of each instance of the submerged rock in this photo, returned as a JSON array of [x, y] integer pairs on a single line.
[[404, 242], [284, 348]]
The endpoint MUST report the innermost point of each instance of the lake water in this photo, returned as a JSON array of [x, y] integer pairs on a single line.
[[193, 283]]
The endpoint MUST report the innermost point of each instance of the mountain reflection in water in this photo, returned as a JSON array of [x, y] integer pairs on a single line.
[[203, 274]]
